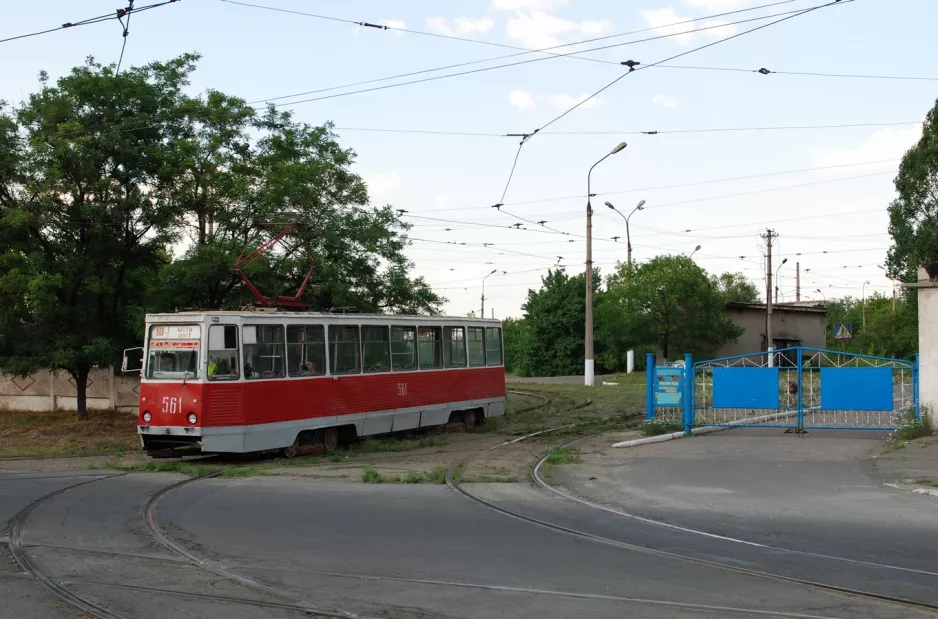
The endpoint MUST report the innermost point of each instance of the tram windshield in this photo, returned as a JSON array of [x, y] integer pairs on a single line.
[[174, 351]]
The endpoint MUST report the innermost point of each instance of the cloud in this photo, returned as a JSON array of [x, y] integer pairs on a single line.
[[526, 5], [382, 186], [521, 99], [565, 101], [664, 101], [660, 19], [537, 29], [460, 25], [394, 23], [882, 144]]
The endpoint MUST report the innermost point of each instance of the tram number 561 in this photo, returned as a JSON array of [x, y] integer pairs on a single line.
[[401, 389], [172, 405]]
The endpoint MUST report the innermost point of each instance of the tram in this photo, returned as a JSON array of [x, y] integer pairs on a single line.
[[252, 381]]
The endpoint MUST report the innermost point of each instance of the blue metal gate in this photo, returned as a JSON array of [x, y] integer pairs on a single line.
[[799, 388]]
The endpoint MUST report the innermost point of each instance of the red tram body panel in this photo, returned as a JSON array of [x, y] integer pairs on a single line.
[[252, 381]]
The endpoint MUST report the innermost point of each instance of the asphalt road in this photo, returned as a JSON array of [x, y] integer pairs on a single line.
[[399, 551]]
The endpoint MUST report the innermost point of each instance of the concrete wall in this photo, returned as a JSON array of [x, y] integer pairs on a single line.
[[928, 349], [807, 327], [48, 391]]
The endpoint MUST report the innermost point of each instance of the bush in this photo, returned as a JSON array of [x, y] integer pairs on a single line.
[[371, 475], [909, 429]]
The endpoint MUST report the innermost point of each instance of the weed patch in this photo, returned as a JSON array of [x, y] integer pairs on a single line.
[[59, 433], [246, 471], [559, 455], [434, 476], [186, 468], [657, 428], [384, 445], [908, 429], [371, 476]]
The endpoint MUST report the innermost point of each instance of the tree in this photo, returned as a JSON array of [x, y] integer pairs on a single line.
[[668, 303], [233, 168], [517, 340], [553, 336], [888, 333], [86, 229], [736, 288], [913, 216]]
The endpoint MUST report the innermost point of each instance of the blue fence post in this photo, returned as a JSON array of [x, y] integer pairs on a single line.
[[800, 356], [916, 379], [649, 387], [688, 393]]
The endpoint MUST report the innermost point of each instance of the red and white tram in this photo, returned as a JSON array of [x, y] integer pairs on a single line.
[[264, 380]]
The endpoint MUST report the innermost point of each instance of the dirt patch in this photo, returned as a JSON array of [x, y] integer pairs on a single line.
[[56, 434]]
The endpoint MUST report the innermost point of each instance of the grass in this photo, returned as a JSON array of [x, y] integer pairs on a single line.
[[246, 471], [371, 475], [434, 476], [908, 429], [657, 428], [924, 481], [559, 455], [193, 469], [393, 444], [57, 434]]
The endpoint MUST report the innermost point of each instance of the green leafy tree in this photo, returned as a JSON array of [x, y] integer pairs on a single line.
[[736, 288], [891, 327], [913, 216], [553, 337], [668, 303], [234, 168], [84, 225], [517, 340]]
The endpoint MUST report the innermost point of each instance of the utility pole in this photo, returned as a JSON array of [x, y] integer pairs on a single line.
[[769, 235], [797, 282]]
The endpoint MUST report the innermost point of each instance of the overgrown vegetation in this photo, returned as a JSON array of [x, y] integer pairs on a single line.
[[434, 476], [394, 444], [193, 469], [657, 428], [908, 429], [371, 476], [57, 434]]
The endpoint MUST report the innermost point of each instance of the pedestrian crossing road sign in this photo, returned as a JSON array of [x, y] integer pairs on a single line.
[[843, 331]]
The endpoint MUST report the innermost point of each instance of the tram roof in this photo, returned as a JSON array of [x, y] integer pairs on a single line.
[[199, 316]]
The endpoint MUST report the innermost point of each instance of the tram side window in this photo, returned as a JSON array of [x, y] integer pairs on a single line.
[[306, 350], [454, 347], [263, 351], [493, 345], [344, 349], [403, 348], [429, 347], [376, 348], [476, 346], [223, 352]]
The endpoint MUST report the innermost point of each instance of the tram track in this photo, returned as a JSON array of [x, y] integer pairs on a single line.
[[580, 534]]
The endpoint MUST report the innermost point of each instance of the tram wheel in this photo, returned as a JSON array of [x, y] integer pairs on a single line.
[[330, 439], [469, 418], [292, 450]]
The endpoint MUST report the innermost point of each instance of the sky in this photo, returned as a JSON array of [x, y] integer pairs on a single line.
[[824, 191]]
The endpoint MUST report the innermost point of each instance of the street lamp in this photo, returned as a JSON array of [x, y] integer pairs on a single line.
[[628, 237], [588, 362], [494, 271], [696, 249], [784, 260], [822, 295], [863, 302]]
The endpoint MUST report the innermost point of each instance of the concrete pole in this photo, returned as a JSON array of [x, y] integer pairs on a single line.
[[768, 297], [797, 281], [630, 361]]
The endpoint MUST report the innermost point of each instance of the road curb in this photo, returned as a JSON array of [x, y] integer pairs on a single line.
[[916, 489]]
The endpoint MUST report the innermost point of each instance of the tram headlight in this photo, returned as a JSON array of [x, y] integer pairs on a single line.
[[147, 417], [193, 418]]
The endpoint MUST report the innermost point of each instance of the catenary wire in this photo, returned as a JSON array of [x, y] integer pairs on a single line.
[[525, 51]]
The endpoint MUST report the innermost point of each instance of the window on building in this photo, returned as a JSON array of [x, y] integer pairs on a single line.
[[430, 347], [454, 347], [344, 349], [476, 346], [403, 348], [223, 352], [263, 351], [493, 346], [376, 348], [306, 350]]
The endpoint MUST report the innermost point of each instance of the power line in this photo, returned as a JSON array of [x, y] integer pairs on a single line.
[[523, 52], [130, 8], [524, 62], [92, 20], [764, 71]]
